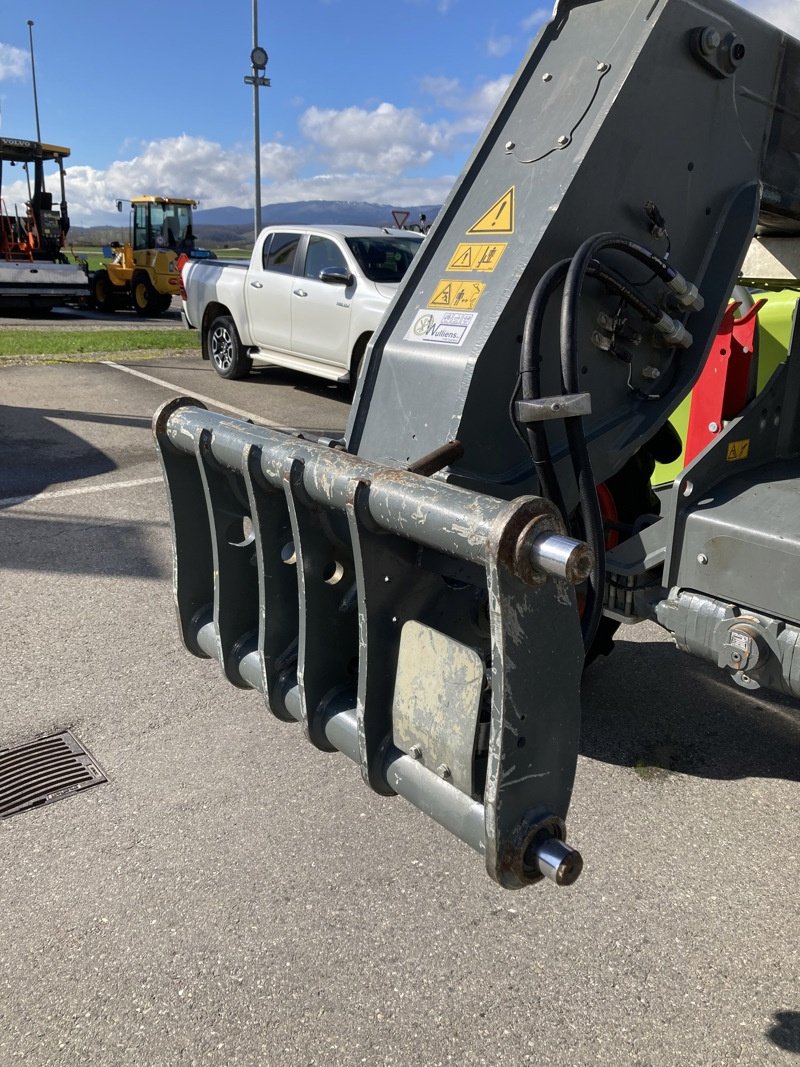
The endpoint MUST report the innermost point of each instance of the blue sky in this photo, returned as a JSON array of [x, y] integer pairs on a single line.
[[369, 101]]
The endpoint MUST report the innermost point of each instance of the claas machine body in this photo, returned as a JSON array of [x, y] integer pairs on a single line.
[[34, 271], [424, 594], [143, 273]]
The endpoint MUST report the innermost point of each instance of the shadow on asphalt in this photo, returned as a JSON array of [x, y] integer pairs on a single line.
[[80, 544], [785, 1033], [658, 710], [29, 441]]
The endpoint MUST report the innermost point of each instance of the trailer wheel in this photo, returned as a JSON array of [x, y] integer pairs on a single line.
[[225, 349], [144, 296], [103, 291]]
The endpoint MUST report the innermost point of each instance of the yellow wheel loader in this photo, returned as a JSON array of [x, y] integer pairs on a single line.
[[143, 274]]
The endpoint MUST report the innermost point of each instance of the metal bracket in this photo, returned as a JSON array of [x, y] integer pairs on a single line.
[[553, 407]]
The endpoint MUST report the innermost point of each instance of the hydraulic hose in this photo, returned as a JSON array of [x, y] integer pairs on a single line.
[[530, 379], [581, 461]]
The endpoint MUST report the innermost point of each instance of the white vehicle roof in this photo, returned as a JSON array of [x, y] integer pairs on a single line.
[[343, 231]]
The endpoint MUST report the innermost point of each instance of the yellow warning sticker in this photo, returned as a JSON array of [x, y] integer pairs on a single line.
[[499, 218], [462, 296], [738, 450], [477, 256]]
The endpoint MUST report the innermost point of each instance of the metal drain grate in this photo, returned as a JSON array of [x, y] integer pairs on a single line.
[[43, 771]]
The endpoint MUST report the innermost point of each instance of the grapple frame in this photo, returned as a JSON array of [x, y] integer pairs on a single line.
[[428, 632]]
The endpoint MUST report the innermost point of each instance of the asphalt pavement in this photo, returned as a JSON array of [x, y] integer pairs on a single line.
[[233, 896]]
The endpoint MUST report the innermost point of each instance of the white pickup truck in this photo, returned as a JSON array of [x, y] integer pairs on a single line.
[[310, 298]]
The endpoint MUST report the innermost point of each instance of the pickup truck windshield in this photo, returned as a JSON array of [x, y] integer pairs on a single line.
[[384, 259]]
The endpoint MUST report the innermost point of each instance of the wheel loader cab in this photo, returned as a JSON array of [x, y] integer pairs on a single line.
[[157, 224]]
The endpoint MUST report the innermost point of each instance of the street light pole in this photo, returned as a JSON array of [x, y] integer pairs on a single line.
[[33, 75], [258, 61]]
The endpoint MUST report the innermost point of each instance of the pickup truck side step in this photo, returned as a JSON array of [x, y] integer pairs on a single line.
[[428, 632]]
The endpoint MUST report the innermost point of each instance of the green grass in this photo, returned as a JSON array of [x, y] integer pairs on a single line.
[[95, 258], [16, 344]]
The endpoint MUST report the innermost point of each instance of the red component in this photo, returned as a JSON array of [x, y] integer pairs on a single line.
[[723, 388], [608, 509], [180, 263]]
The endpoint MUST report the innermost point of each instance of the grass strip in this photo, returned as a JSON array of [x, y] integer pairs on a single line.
[[21, 343]]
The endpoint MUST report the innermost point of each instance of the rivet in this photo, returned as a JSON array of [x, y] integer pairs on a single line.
[[547, 77], [702, 558], [713, 427]]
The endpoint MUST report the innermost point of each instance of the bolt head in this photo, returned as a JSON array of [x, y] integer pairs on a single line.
[[444, 771], [710, 40]]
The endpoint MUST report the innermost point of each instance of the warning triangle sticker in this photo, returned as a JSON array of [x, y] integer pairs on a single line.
[[499, 218]]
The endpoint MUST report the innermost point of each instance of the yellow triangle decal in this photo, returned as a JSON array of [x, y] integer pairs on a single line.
[[499, 218]]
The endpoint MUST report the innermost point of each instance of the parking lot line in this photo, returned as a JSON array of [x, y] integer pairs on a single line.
[[77, 490], [197, 396]]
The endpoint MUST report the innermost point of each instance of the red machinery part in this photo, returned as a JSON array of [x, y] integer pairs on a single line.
[[727, 381]]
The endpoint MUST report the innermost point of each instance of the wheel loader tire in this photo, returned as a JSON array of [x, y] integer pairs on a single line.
[[164, 303], [144, 297], [225, 349], [103, 296]]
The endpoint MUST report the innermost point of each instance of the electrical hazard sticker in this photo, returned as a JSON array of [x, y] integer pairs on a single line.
[[461, 296], [480, 257], [441, 327], [499, 218], [738, 450]]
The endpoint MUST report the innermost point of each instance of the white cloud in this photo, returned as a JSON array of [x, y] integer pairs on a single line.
[[499, 46], [536, 18], [385, 140], [785, 14], [13, 62], [472, 108]]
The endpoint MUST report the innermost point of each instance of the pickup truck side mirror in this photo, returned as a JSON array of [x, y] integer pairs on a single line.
[[336, 276]]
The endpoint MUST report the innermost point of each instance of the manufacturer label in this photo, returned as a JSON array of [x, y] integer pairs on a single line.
[[441, 327], [482, 257], [738, 450], [499, 218], [461, 296]]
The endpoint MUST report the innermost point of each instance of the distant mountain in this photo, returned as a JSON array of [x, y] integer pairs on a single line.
[[222, 226], [306, 212]]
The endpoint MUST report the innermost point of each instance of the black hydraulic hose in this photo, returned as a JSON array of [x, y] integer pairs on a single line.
[[530, 360], [530, 380], [615, 281], [579, 452], [572, 273]]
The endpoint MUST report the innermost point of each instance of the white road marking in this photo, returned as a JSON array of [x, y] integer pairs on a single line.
[[77, 490], [259, 419]]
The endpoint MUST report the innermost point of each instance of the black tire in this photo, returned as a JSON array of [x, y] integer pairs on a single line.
[[164, 303], [103, 295], [225, 349], [144, 297], [356, 365]]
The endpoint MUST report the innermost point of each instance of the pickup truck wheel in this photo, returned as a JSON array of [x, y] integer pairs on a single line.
[[225, 349], [144, 296]]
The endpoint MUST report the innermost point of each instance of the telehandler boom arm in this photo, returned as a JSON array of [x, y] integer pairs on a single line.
[[409, 593]]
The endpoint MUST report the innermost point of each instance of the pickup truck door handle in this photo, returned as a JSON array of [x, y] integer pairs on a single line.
[[257, 285], [300, 292]]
